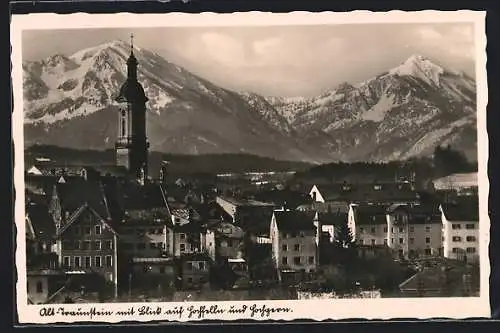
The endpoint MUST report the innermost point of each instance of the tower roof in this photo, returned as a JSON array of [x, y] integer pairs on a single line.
[[132, 91]]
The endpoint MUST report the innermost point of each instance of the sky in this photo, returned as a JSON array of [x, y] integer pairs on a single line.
[[279, 60]]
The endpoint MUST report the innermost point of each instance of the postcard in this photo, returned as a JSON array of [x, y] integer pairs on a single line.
[[188, 167]]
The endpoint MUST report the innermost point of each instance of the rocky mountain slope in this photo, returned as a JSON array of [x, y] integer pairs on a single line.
[[402, 113], [69, 102]]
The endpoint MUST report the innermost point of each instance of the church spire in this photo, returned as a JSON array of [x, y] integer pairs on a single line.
[[132, 61]]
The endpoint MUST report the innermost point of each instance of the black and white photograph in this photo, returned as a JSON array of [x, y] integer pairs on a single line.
[[250, 166]]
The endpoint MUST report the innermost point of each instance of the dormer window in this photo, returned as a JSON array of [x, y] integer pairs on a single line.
[[377, 187]]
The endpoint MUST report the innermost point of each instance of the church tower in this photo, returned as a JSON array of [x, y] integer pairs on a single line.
[[131, 147]]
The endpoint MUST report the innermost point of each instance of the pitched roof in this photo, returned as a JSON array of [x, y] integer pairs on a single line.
[[463, 211], [134, 196], [153, 216], [41, 221], [370, 214], [293, 220], [375, 192], [418, 214], [229, 230], [332, 218], [79, 192]]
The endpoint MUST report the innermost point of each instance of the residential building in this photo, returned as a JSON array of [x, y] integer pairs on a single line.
[[414, 230], [368, 224], [327, 227], [293, 237], [185, 232], [327, 224], [153, 274], [460, 230], [40, 235], [86, 238], [145, 220], [374, 193], [44, 284], [250, 215], [223, 242], [195, 270]]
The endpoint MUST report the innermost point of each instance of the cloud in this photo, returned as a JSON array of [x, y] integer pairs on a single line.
[[457, 41], [223, 49]]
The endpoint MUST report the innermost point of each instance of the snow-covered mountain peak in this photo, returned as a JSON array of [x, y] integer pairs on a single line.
[[419, 67]]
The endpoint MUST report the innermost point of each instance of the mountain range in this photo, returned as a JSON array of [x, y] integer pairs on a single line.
[[402, 113]]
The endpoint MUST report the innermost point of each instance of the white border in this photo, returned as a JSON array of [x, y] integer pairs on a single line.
[[423, 308]]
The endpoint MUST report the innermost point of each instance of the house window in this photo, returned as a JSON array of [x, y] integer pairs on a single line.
[[385, 241], [66, 262], [109, 261], [311, 260], [455, 250], [87, 262], [86, 245], [401, 240], [97, 245], [78, 262], [471, 250], [470, 226], [456, 239], [427, 240], [296, 247], [428, 252], [412, 229], [182, 236], [284, 247], [152, 245], [471, 238], [162, 270], [190, 279], [301, 234], [427, 228], [201, 265], [87, 230], [39, 287], [392, 240], [412, 240], [456, 226], [385, 229], [77, 245], [109, 245], [98, 229], [373, 230], [97, 261], [296, 260], [373, 241], [182, 247], [284, 260], [401, 229]]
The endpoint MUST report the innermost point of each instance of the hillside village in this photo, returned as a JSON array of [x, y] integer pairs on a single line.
[[104, 233]]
